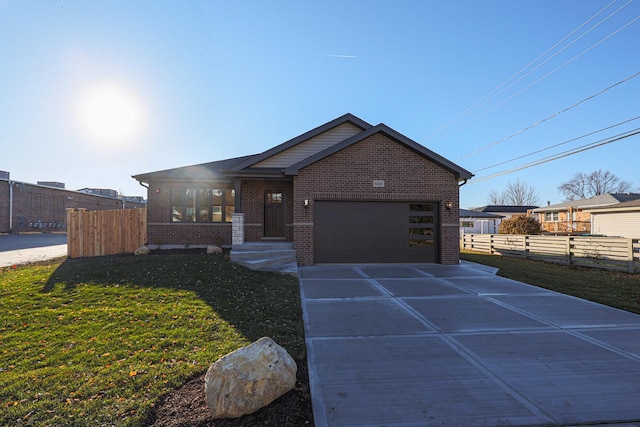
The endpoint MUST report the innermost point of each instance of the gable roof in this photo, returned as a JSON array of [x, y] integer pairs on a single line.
[[321, 142], [347, 118], [460, 172], [509, 209], [591, 202], [632, 205]]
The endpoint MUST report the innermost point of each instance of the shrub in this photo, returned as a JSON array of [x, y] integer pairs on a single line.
[[520, 224]]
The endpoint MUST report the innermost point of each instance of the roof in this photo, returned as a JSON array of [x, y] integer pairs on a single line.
[[592, 202], [632, 205], [508, 209], [387, 131], [201, 172], [249, 166], [466, 213]]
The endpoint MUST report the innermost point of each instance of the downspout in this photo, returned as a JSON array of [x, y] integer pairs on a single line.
[[11, 184], [463, 183]]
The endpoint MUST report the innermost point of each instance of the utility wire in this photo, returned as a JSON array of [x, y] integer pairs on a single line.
[[539, 122], [557, 145], [551, 72], [482, 101], [562, 155]]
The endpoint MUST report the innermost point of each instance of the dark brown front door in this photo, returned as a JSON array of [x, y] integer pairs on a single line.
[[273, 213]]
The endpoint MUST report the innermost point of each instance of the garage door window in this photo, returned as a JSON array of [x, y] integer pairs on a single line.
[[421, 225]]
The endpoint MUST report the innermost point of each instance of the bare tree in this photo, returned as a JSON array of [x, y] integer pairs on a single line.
[[584, 185], [515, 194]]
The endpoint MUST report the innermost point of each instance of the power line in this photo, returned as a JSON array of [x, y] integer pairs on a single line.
[[539, 122], [482, 101], [562, 155], [558, 145], [551, 72]]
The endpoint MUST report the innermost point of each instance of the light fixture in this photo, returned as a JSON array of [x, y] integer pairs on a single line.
[[306, 203], [448, 204]]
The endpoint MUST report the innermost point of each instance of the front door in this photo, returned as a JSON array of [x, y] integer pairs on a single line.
[[273, 213]]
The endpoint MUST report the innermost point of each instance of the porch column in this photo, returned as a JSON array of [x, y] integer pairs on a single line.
[[237, 184], [237, 229]]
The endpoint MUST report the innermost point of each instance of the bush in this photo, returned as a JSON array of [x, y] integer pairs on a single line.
[[520, 224]]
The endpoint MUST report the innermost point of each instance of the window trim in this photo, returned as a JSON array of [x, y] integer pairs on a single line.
[[203, 197]]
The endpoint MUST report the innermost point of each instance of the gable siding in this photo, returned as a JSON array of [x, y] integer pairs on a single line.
[[621, 224], [310, 147]]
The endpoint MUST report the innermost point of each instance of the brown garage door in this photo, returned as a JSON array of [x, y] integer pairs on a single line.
[[365, 232]]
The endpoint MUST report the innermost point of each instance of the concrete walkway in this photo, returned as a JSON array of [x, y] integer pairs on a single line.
[[18, 249], [419, 345]]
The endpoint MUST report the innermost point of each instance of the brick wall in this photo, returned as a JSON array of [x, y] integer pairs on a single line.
[[349, 175], [39, 208]]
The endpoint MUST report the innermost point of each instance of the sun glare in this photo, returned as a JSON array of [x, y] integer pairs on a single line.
[[111, 115]]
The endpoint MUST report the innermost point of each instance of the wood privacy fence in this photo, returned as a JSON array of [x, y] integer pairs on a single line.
[[108, 232], [609, 253]]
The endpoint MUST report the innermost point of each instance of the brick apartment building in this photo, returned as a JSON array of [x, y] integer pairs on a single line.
[[37, 207]]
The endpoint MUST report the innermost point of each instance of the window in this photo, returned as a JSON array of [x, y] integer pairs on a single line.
[[202, 204], [551, 216], [421, 225], [467, 224]]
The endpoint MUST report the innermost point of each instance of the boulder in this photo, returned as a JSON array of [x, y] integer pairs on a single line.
[[214, 250], [142, 250], [248, 379]]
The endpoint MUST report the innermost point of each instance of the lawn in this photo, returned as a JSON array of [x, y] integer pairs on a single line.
[[99, 341], [616, 289]]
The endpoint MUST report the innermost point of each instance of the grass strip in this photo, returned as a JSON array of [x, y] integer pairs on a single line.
[[615, 289], [98, 341]]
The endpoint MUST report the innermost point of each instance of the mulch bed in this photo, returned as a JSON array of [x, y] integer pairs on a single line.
[[186, 407]]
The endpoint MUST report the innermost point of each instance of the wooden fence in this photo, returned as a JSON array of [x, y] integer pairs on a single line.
[[600, 252], [108, 232]]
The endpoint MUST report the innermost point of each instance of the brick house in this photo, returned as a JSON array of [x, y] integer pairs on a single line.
[[572, 216], [345, 191]]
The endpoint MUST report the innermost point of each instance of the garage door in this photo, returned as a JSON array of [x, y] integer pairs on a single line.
[[363, 232]]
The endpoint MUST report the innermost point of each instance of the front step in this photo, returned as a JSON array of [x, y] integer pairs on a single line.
[[266, 256]]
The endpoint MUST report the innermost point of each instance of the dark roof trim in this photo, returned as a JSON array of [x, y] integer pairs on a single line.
[[347, 118], [199, 172], [460, 172]]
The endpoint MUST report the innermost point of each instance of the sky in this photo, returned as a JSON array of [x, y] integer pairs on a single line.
[[93, 92]]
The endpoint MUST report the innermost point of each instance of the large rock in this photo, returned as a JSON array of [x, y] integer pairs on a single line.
[[248, 379], [142, 250], [214, 250]]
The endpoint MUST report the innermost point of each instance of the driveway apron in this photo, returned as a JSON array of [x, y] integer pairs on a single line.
[[427, 344]]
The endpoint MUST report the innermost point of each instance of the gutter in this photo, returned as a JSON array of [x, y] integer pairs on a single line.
[[11, 184]]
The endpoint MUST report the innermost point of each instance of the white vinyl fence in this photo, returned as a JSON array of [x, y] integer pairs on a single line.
[[609, 253]]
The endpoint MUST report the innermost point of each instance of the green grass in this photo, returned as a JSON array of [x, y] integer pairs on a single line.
[[99, 341], [616, 289]]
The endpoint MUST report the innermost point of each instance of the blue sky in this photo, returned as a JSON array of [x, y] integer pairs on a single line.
[[209, 80]]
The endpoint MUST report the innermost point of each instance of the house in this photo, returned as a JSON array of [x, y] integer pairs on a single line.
[[619, 220], [474, 222], [346, 191], [571, 216]]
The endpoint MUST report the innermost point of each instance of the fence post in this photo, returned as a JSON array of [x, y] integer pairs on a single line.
[[632, 268], [568, 250], [525, 246]]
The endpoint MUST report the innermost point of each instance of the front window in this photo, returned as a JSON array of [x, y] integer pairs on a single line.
[[202, 204], [551, 216]]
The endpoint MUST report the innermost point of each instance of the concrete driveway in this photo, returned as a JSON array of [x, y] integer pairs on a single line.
[[418, 345], [27, 248]]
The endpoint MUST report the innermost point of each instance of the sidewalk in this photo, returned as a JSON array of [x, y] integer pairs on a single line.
[[26, 256]]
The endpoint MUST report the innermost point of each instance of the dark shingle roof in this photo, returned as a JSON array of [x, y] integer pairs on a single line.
[[504, 209]]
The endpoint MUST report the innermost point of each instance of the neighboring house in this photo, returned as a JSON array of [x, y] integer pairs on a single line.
[[619, 220], [505, 211], [474, 222], [42, 207], [345, 191], [571, 216]]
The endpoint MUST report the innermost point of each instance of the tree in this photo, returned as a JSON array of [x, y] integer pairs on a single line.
[[515, 194], [585, 185], [520, 224]]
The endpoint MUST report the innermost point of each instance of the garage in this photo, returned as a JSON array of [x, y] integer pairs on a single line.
[[375, 232]]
